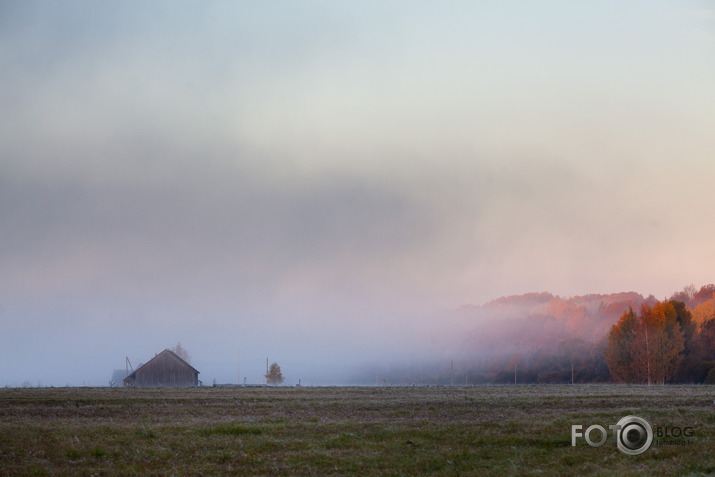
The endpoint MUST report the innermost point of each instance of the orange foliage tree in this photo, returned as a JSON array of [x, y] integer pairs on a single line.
[[645, 348], [703, 312]]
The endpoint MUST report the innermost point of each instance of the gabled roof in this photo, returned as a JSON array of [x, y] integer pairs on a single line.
[[171, 353]]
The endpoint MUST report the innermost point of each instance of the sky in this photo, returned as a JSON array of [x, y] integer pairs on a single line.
[[314, 181]]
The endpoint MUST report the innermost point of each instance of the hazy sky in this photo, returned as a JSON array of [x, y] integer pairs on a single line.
[[310, 181]]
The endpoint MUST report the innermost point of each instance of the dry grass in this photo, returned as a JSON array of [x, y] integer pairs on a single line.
[[492, 430]]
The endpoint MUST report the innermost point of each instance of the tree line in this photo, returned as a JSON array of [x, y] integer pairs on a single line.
[[541, 338], [661, 344], [669, 341]]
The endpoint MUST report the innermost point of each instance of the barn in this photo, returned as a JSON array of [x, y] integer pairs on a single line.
[[166, 369]]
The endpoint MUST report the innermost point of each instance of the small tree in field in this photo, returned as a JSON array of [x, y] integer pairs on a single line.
[[181, 352], [274, 375]]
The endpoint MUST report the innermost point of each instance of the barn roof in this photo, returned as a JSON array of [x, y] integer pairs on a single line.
[[171, 353]]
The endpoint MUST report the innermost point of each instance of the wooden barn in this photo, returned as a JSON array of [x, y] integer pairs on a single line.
[[166, 369]]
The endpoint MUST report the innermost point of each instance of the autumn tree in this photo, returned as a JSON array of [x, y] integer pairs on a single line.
[[181, 352], [619, 352], [687, 371], [646, 348], [684, 317], [703, 312], [706, 293], [706, 341], [658, 344], [686, 295], [703, 355], [274, 375]]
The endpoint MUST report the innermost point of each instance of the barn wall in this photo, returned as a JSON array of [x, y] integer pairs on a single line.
[[165, 370]]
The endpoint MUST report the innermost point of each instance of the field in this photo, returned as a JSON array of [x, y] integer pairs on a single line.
[[479, 430]]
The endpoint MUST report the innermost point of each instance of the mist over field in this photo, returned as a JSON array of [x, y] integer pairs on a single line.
[[342, 188]]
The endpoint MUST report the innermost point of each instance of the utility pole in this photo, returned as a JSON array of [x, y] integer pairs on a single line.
[[238, 367], [452, 375]]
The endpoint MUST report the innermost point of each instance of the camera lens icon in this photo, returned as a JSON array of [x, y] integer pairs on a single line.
[[633, 435]]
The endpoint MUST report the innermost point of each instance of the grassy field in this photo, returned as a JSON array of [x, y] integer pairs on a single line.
[[480, 430]]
